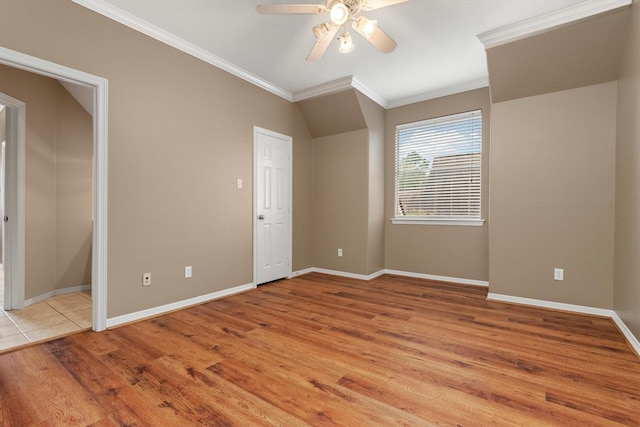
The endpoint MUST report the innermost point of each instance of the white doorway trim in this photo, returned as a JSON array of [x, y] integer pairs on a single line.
[[289, 140], [100, 173], [14, 202]]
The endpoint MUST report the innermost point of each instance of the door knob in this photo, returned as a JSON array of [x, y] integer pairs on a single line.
[[260, 217]]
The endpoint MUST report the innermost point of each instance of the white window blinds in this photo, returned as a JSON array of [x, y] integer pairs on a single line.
[[438, 167]]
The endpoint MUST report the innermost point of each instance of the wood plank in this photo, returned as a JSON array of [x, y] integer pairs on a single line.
[[326, 350]]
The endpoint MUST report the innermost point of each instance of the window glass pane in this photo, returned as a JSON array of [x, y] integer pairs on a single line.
[[438, 167]]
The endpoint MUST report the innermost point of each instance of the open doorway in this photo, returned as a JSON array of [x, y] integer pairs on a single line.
[[15, 208], [58, 212], [2, 168]]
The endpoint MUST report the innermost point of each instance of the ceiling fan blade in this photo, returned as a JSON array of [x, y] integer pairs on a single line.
[[290, 8], [378, 38], [377, 4], [324, 36]]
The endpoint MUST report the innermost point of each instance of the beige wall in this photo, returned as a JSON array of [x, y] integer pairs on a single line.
[[348, 181], [451, 251], [57, 183], [583, 53], [40, 95], [340, 201], [74, 188], [180, 135], [552, 196], [374, 115], [626, 300]]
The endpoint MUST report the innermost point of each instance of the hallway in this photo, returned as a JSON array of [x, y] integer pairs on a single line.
[[54, 317]]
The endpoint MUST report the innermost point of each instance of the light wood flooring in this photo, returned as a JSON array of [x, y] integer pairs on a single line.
[[323, 350], [42, 321]]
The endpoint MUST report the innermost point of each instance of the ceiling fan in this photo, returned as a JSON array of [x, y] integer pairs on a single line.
[[340, 12]]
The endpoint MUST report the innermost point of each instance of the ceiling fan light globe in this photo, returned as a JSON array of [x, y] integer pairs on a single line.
[[365, 26], [319, 31], [346, 43], [339, 13]]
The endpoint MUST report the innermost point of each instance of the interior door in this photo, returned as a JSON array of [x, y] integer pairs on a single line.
[[272, 205]]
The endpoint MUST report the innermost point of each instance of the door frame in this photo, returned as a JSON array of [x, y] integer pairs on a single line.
[[15, 201], [14, 233], [289, 140]]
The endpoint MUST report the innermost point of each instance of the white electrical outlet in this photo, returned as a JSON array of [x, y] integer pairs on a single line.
[[339, 251], [187, 272], [146, 279], [558, 274]]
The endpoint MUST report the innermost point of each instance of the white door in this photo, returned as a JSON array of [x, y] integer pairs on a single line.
[[272, 205]]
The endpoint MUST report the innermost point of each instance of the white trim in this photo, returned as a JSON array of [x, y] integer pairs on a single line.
[[473, 282], [349, 275], [157, 33], [56, 292], [580, 309], [100, 169], [144, 27], [438, 221], [300, 272], [539, 24], [451, 90], [631, 339], [178, 305], [14, 257], [550, 304], [387, 271], [356, 84], [289, 140], [327, 88]]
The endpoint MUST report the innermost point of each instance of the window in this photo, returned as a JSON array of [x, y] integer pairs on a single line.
[[438, 170]]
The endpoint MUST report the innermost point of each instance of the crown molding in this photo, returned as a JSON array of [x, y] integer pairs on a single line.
[[451, 90], [327, 88], [144, 27], [542, 23], [369, 93], [116, 14], [338, 85]]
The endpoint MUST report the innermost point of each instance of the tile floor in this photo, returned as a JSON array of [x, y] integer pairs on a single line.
[[51, 318]]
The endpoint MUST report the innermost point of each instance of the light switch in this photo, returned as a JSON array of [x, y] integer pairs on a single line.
[[240, 183]]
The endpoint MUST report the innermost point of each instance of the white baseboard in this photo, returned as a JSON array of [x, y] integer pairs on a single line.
[[156, 311], [338, 273], [631, 339], [55, 292], [152, 312], [550, 304], [301, 272], [349, 275], [438, 278], [395, 272]]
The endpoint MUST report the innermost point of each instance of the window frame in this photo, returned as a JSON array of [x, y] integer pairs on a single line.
[[437, 220]]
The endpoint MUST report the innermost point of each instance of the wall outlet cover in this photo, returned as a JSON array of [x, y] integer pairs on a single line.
[[558, 274]]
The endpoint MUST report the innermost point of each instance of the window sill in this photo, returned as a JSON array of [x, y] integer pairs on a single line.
[[439, 221]]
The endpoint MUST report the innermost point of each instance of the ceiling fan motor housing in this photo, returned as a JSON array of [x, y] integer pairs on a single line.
[[354, 6]]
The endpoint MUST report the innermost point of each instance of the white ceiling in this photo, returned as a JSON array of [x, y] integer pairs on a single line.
[[438, 49]]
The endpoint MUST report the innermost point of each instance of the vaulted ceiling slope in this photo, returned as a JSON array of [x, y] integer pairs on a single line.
[[583, 53], [438, 51]]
